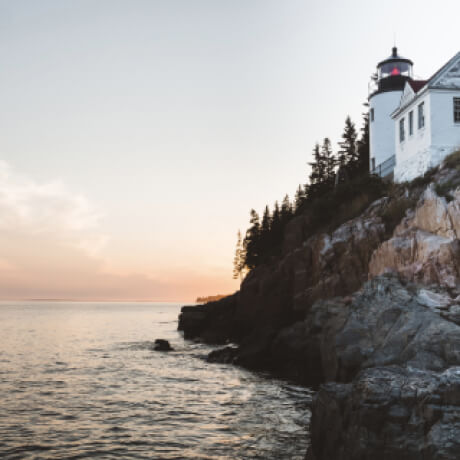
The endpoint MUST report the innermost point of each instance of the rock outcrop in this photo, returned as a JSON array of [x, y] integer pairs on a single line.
[[275, 295], [370, 314], [388, 413], [425, 245]]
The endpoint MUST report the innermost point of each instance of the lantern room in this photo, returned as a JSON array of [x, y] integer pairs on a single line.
[[393, 72]]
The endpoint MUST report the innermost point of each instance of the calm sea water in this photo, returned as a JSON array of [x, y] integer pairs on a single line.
[[80, 380]]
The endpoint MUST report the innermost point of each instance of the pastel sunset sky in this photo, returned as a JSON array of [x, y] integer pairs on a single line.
[[136, 135]]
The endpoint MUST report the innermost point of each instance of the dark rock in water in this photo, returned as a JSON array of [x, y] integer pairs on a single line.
[[162, 345], [213, 322], [224, 355]]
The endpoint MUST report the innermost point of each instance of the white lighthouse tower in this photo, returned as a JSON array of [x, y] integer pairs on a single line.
[[392, 74]]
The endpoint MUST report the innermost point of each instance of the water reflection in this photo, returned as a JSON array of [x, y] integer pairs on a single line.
[[82, 381]]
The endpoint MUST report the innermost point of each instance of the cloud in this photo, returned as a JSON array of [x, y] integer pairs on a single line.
[[30, 208], [52, 246]]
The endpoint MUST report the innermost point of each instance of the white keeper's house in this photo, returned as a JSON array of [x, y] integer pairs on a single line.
[[413, 123]]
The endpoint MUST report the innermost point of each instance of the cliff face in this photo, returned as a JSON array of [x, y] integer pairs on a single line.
[[397, 350], [371, 312], [425, 245], [275, 295]]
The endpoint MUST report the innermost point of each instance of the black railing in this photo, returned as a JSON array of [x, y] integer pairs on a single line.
[[386, 168]]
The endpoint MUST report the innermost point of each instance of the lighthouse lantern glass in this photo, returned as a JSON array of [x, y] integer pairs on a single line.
[[389, 69]]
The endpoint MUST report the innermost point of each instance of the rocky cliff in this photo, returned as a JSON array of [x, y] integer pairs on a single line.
[[370, 313]]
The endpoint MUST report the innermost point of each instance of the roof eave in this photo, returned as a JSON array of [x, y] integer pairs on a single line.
[[398, 111]]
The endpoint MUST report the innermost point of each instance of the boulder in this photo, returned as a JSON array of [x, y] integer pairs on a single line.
[[162, 345]]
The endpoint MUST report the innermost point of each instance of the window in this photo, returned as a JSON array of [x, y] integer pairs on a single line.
[[411, 123], [421, 115], [456, 109], [401, 130], [372, 114]]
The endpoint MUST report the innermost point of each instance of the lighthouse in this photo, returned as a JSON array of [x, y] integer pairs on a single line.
[[389, 81]]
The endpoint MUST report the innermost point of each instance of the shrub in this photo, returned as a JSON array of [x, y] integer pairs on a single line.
[[453, 160], [423, 181], [446, 188], [395, 211], [346, 201]]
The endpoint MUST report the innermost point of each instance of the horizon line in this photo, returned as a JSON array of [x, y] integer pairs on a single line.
[[92, 300]]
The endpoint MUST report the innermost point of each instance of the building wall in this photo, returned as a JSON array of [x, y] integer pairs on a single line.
[[428, 146], [445, 132], [413, 154], [381, 130]]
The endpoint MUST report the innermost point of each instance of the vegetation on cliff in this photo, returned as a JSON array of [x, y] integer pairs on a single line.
[[363, 300], [335, 178], [211, 298]]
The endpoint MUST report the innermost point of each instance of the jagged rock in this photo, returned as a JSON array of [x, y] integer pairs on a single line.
[[388, 413], [213, 322], [275, 295], [425, 245], [162, 345], [387, 323], [224, 355], [398, 356], [389, 348]]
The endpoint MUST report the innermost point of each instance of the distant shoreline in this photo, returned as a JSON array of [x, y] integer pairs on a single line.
[[94, 301], [211, 298]]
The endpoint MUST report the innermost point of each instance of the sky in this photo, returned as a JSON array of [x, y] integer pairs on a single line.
[[136, 135]]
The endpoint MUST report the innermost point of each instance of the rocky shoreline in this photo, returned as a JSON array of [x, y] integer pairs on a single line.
[[369, 315]]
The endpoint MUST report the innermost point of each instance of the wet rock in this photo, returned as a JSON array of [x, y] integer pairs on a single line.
[[162, 345], [214, 322], [224, 355]]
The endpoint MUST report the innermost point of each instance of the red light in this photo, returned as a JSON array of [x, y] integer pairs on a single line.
[[395, 71]]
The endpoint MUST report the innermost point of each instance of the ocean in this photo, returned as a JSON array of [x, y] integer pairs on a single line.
[[81, 380]]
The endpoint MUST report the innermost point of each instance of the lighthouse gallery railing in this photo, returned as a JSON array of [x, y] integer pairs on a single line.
[[385, 168]]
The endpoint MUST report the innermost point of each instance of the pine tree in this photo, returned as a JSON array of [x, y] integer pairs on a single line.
[[348, 155], [299, 199], [329, 160], [317, 174], [265, 232], [266, 222], [239, 259], [363, 144], [286, 210], [276, 228], [251, 243]]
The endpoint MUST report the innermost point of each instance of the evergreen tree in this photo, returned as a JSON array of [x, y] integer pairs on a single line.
[[348, 154], [251, 244], [317, 174], [286, 210], [329, 160], [299, 198], [239, 259], [363, 144], [266, 222], [265, 232], [276, 227]]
